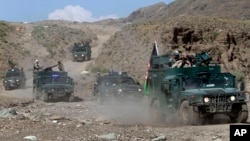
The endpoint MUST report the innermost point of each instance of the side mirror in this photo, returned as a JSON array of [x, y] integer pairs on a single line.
[[242, 86]]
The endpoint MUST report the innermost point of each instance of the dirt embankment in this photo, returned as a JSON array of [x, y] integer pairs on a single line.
[[84, 119]]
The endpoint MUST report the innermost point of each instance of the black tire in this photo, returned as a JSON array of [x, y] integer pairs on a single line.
[[69, 98], [6, 88], [156, 115], [187, 115], [35, 94], [22, 86], [44, 97], [240, 113]]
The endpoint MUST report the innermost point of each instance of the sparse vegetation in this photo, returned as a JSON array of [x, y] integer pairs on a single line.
[[239, 76]]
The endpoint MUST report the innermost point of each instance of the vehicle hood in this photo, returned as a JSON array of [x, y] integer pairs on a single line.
[[12, 79], [80, 53], [57, 86], [212, 91], [130, 87]]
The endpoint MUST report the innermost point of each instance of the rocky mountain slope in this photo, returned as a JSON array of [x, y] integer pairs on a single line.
[[226, 39], [224, 8]]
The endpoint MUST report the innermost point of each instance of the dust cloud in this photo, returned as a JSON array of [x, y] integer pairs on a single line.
[[125, 111], [133, 112]]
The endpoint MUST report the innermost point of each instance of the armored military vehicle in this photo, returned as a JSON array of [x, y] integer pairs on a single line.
[[14, 79], [118, 86], [81, 52], [194, 93], [49, 84]]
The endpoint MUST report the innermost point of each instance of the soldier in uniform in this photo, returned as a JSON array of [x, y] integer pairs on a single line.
[[60, 66], [36, 66], [182, 63]]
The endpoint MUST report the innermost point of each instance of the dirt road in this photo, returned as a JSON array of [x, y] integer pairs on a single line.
[[84, 119]]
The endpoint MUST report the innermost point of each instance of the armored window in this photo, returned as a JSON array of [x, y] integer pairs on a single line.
[[192, 83]]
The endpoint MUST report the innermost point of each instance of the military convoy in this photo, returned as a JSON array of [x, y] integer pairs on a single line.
[[194, 94], [81, 52], [49, 84], [14, 79], [117, 86]]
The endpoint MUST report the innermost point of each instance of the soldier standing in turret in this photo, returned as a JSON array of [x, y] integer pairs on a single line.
[[36, 66], [60, 66]]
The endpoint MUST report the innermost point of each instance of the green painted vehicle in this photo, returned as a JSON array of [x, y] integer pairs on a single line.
[[49, 84], [14, 79], [117, 86], [81, 52], [194, 94]]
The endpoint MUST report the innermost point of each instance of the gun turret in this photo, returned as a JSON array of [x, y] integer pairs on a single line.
[[49, 68], [202, 58]]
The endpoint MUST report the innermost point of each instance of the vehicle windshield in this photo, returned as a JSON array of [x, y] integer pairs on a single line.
[[110, 81], [79, 48], [12, 74], [221, 81], [57, 80], [127, 80], [116, 80]]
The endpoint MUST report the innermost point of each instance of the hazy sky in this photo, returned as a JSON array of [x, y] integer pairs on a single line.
[[73, 10]]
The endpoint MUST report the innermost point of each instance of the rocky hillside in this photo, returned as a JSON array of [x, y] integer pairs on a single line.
[[239, 9], [227, 40], [189, 25], [46, 40]]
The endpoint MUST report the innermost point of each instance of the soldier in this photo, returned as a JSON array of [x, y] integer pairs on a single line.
[[36, 65], [11, 64], [183, 62], [174, 58], [60, 66]]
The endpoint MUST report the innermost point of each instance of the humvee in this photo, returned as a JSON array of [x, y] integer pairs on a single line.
[[118, 86], [14, 79], [81, 52], [194, 94], [49, 84]]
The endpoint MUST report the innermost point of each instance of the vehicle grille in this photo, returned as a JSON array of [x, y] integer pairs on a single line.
[[219, 104]]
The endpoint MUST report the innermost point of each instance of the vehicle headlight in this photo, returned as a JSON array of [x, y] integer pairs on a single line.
[[5, 81], [139, 90], [52, 90], [232, 98], [206, 99], [120, 90], [75, 55], [17, 80], [82, 54]]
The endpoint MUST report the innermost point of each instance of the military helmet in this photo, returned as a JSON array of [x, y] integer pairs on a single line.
[[175, 53]]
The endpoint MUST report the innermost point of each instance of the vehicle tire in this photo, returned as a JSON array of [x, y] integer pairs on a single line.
[[70, 98], [187, 115], [156, 115], [240, 113], [35, 95], [45, 97], [6, 88], [22, 85]]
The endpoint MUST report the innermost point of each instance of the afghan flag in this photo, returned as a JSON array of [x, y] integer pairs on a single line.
[[147, 80]]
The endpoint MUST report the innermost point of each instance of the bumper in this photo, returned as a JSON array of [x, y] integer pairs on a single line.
[[79, 58], [11, 85]]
